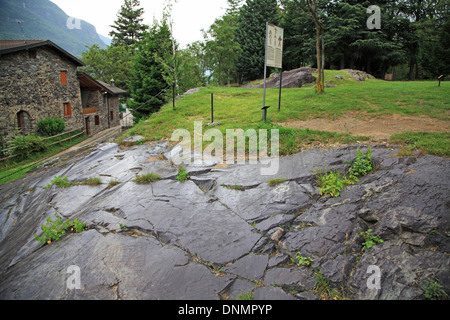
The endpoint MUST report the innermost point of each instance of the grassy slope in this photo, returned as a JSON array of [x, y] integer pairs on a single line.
[[240, 108]]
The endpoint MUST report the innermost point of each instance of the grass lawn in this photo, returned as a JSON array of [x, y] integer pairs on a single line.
[[241, 108], [16, 169]]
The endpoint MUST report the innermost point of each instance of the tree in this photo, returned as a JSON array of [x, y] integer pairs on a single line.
[[221, 48], [113, 62], [298, 36], [192, 66], [148, 74], [251, 34], [129, 29], [314, 9]]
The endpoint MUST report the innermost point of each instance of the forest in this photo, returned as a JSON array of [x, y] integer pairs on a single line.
[[412, 42]]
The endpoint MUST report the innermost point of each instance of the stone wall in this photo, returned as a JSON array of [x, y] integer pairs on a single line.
[[30, 81], [96, 99]]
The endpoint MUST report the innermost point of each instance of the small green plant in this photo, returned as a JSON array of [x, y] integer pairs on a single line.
[[362, 164], [274, 182], [301, 260], [113, 182], [60, 182], [182, 174], [147, 178], [370, 239], [245, 295], [324, 289], [433, 290], [140, 142], [55, 229], [332, 183]]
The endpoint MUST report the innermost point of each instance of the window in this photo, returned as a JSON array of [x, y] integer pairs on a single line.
[[97, 120], [112, 115], [67, 109], [64, 77], [32, 54]]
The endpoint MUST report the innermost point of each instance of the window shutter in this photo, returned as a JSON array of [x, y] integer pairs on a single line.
[[63, 77]]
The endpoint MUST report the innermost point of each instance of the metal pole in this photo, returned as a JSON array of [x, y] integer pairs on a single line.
[[279, 96], [212, 107], [265, 65], [173, 95]]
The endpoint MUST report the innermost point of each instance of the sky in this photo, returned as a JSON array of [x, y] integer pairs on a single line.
[[190, 16]]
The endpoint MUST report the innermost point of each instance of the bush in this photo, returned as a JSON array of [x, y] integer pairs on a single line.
[[51, 127], [26, 145]]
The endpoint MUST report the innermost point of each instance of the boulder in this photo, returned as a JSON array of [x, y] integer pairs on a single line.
[[291, 79]]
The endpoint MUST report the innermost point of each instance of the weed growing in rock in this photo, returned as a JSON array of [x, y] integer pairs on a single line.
[[93, 181], [245, 295], [60, 182], [332, 183], [147, 178], [182, 174], [113, 182], [301, 261], [274, 182], [362, 164], [370, 239], [55, 229], [324, 290], [433, 290]]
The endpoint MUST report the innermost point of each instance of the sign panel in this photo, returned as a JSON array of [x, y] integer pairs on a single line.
[[274, 46]]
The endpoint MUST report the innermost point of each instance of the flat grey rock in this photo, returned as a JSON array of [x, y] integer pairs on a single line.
[[224, 232]]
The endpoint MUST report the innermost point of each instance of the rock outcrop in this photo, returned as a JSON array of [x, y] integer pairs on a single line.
[[204, 238], [295, 78]]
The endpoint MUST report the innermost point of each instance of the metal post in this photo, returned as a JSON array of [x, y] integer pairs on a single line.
[[279, 96], [173, 95], [212, 108], [265, 65]]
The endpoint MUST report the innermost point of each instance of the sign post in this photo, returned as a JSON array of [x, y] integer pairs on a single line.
[[273, 56]]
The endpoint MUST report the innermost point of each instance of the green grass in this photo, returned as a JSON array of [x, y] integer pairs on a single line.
[[241, 108], [147, 178], [435, 143], [17, 168]]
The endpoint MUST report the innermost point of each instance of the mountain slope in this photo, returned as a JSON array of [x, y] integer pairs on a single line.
[[42, 19]]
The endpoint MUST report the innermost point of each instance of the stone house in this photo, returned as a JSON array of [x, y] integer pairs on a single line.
[[39, 80]]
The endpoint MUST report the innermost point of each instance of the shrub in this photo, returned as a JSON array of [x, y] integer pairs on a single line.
[[26, 145], [51, 127]]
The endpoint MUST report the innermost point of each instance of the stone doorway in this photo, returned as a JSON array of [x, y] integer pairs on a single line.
[[24, 122]]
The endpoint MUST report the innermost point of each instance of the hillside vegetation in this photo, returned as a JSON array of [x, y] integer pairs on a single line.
[[42, 19]]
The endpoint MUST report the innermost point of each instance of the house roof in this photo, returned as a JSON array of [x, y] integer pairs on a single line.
[[10, 46], [90, 84]]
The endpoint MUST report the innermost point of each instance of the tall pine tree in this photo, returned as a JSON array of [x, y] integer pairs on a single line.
[[251, 35], [149, 74], [129, 29]]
